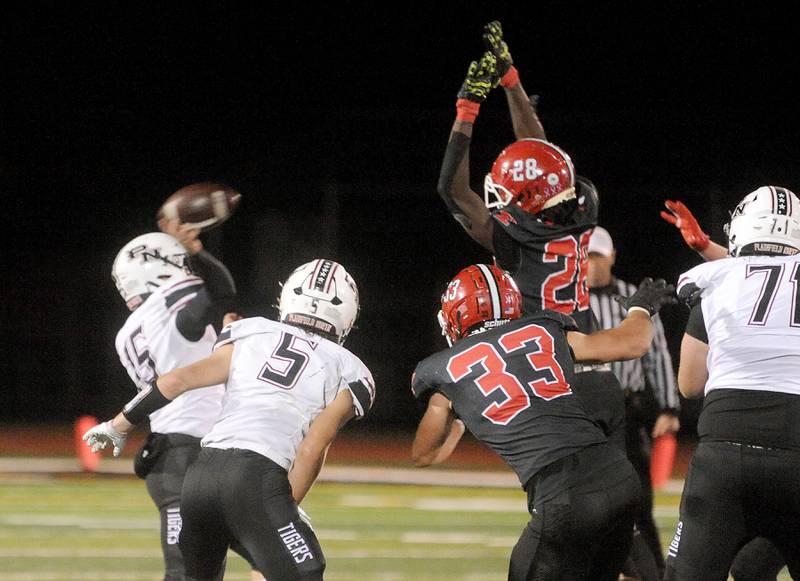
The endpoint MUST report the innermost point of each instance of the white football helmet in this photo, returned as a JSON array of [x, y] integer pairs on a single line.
[[769, 218], [145, 263], [321, 296]]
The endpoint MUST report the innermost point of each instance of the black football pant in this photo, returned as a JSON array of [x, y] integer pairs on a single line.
[[582, 509], [758, 560], [602, 396], [638, 446], [733, 494], [239, 495], [167, 458]]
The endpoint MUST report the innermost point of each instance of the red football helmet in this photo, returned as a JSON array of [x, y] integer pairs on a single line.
[[531, 173], [478, 294]]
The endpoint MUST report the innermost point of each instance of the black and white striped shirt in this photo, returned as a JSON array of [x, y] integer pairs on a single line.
[[655, 368]]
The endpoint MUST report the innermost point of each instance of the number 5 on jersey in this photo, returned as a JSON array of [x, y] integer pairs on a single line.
[[495, 377], [287, 362]]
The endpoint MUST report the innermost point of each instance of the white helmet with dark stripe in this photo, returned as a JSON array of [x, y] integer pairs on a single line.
[[322, 297], [766, 221], [145, 263]]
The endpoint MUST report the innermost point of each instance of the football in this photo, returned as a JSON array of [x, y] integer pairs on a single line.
[[203, 205]]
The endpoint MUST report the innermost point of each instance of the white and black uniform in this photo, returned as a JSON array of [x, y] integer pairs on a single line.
[[175, 327], [745, 473], [281, 378]]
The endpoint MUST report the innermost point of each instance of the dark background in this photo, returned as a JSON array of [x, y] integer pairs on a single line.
[[332, 123]]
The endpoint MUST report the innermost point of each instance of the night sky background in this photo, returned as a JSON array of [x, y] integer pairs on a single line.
[[332, 122]]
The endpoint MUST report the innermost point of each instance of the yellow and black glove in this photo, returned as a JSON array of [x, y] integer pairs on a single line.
[[493, 39], [482, 77]]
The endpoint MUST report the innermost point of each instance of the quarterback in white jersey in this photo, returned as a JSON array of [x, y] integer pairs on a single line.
[[741, 351], [177, 293], [290, 386]]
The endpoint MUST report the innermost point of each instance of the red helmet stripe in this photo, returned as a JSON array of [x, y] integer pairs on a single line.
[[497, 311], [314, 274], [330, 277]]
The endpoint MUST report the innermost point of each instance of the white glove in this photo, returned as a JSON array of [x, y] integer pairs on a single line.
[[102, 435]]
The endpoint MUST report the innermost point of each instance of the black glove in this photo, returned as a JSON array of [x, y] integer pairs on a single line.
[[651, 295], [482, 77], [691, 294], [493, 39]]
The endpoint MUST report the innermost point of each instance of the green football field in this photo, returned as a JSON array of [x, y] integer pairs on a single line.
[[105, 528]]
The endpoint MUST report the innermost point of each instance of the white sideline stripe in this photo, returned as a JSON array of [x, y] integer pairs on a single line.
[[333, 473], [435, 504], [74, 520], [110, 575], [72, 553]]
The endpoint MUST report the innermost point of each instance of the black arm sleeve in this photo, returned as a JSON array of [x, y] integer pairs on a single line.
[[507, 254], [218, 281], [216, 297], [696, 326], [457, 148]]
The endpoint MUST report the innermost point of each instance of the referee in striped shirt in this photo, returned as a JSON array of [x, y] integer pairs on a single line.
[[651, 397]]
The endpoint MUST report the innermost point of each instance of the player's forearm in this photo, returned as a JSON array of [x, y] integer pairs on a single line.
[[453, 187], [629, 340], [448, 447], [714, 251], [524, 119], [633, 336], [306, 469]]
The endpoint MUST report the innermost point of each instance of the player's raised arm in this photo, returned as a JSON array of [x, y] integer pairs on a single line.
[[212, 370], [682, 218], [523, 113], [219, 290], [632, 338], [454, 188]]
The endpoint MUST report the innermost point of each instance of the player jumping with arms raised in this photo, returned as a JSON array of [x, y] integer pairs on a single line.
[[537, 217]]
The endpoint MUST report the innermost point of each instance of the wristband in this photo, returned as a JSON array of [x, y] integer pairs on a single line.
[[644, 310], [145, 403], [511, 78], [467, 110]]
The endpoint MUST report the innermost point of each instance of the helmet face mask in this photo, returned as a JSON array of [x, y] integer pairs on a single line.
[[766, 221], [145, 263], [478, 298], [322, 297], [532, 174]]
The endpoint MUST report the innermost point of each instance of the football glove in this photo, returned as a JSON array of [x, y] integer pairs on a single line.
[[102, 435], [482, 77], [493, 39], [651, 296], [680, 217]]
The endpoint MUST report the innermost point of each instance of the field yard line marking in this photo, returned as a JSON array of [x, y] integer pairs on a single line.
[[471, 504], [424, 537]]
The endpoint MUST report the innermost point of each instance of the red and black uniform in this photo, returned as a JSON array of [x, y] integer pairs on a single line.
[[549, 262], [512, 386]]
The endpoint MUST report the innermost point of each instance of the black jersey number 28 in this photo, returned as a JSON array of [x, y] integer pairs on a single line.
[[550, 385]]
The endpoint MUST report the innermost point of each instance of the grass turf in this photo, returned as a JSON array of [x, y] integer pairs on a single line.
[[105, 528]]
